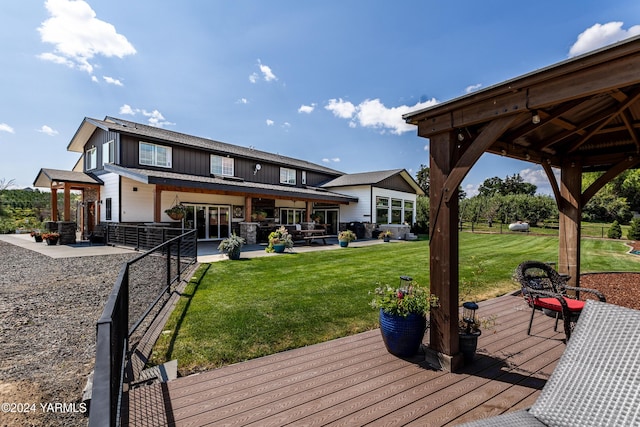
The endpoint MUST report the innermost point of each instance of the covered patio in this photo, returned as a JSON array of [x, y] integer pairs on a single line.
[[576, 116]]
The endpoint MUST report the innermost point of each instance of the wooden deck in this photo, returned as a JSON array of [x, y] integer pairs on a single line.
[[354, 381]]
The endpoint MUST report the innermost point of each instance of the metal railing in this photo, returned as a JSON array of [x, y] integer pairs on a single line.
[[141, 237], [144, 286]]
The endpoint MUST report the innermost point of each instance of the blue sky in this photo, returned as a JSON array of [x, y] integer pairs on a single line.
[[324, 81]]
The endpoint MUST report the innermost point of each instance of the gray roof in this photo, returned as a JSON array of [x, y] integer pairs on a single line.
[[132, 128], [47, 176], [214, 183], [372, 178]]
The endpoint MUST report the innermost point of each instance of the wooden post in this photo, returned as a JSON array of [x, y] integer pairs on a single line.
[[309, 207], [67, 202], [54, 204], [570, 217], [157, 204], [443, 246], [247, 208]]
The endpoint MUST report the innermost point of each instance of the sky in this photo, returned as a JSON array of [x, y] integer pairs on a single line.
[[327, 82]]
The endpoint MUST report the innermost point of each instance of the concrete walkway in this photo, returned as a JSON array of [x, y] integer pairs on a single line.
[[207, 251]]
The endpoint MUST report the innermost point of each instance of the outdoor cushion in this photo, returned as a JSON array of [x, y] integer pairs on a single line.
[[554, 304]]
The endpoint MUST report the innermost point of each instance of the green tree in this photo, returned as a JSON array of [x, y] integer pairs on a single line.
[[422, 178], [422, 214], [634, 230], [615, 231]]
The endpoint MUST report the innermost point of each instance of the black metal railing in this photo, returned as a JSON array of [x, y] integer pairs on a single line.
[[139, 236], [144, 286]]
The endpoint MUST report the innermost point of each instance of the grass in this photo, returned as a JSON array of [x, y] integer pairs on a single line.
[[238, 310]]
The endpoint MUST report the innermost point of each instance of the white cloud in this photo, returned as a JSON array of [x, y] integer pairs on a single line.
[[473, 88], [78, 36], [332, 160], [336, 160], [372, 113], [242, 101], [286, 125], [537, 176], [154, 118], [269, 122], [48, 130], [266, 72], [471, 190], [340, 108], [600, 35], [254, 77], [308, 109], [112, 81], [126, 109], [6, 128]]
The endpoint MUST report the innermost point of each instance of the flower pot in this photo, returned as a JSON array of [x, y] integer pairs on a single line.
[[176, 216], [402, 335], [38, 238], [279, 248], [343, 243], [52, 241], [468, 345], [234, 254], [387, 239]]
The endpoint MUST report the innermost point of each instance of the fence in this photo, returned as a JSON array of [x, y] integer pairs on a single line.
[[142, 290], [142, 237], [590, 230]]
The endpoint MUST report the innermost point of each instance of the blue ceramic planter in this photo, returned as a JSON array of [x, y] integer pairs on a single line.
[[343, 243], [279, 248], [402, 335]]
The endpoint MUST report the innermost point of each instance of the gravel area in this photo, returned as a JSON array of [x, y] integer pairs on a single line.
[[48, 312]]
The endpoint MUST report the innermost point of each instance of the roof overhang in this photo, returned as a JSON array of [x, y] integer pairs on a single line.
[[55, 178], [585, 110], [229, 186]]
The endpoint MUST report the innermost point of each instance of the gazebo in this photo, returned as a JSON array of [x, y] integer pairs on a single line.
[[579, 115]]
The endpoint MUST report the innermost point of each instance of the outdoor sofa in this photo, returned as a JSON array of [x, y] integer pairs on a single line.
[[597, 379]]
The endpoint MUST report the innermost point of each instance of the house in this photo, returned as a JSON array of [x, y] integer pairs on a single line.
[[132, 173]]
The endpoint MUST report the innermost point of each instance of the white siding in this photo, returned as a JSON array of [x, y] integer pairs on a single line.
[[137, 206], [360, 211], [111, 189]]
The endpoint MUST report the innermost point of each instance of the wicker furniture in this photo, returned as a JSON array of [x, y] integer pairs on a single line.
[[596, 381], [545, 290]]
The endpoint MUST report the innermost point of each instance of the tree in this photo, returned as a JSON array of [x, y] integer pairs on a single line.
[[615, 231], [422, 178], [490, 187], [634, 230]]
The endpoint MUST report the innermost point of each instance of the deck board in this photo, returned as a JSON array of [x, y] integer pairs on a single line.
[[355, 381]]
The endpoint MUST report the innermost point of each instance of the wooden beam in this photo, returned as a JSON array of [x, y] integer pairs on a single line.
[[473, 152], [607, 177], [54, 204], [443, 246], [157, 204], [67, 202], [570, 217], [548, 170]]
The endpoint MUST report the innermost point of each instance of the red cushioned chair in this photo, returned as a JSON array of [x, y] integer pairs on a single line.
[[546, 290]]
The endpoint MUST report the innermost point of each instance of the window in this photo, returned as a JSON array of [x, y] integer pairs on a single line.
[[91, 158], [108, 152], [287, 176], [304, 178], [107, 209], [408, 212], [292, 216], [221, 165], [396, 211], [155, 155], [382, 210]]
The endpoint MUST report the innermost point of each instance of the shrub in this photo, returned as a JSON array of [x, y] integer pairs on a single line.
[[634, 230], [615, 231]]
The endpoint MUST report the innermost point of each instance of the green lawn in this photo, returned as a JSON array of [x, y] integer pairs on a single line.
[[238, 310]]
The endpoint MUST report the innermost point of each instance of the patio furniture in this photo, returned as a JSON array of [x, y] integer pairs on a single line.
[[596, 381], [544, 289]]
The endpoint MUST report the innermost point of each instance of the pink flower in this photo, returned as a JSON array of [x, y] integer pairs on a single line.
[[400, 295]]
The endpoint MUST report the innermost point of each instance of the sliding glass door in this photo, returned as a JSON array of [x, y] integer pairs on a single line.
[[211, 221]]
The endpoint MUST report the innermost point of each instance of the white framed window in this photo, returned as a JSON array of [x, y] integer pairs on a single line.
[[287, 176], [304, 178], [382, 210], [108, 154], [396, 211], [91, 157], [222, 165], [154, 155]]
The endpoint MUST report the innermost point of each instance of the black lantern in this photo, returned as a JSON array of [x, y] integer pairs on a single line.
[[405, 282], [469, 314]]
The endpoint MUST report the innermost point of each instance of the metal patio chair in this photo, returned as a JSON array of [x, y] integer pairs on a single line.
[[544, 289], [596, 381]]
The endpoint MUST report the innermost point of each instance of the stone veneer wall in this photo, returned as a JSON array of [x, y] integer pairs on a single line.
[[249, 231]]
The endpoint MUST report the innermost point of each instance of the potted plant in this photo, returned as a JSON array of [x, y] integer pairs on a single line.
[[259, 216], [346, 236], [385, 235], [36, 235], [402, 318], [232, 246], [51, 237], [279, 240], [176, 212]]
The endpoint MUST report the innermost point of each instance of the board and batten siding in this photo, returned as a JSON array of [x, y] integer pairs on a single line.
[[361, 211], [137, 206]]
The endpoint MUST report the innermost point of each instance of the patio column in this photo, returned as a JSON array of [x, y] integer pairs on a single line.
[[570, 217], [247, 208], [157, 204], [443, 246], [67, 202], [54, 204], [309, 207]]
